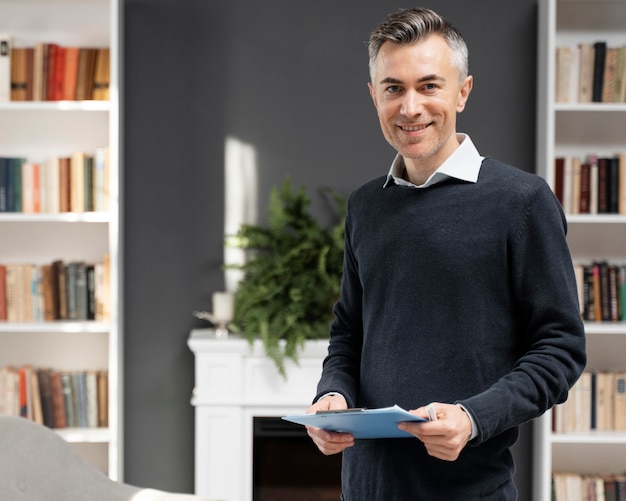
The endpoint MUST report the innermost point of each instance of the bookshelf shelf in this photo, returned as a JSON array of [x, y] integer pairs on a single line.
[[601, 328], [596, 437], [56, 326], [82, 435], [596, 218], [595, 107], [65, 217], [578, 130], [100, 106], [38, 130]]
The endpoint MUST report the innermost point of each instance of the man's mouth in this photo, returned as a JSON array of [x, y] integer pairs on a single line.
[[413, 128]]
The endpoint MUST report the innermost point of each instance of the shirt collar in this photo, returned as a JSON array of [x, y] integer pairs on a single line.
[[463, 164]]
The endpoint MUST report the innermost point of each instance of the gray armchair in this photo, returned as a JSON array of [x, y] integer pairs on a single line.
[[38, 465]]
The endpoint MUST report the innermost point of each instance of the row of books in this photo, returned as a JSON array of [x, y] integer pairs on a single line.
[[73, 290], [593, 185], [53, 72], [601, 291], [597, 401], [76, 183], [57, 399], [590, 73], [568, 486]]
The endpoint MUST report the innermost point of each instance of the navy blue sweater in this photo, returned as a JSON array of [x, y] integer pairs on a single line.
[[458, 293]]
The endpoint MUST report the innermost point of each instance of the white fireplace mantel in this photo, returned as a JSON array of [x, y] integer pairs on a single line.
[[235, 382]]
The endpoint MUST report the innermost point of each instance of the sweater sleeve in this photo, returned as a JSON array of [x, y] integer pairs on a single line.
[[342, 365], [542, 276]]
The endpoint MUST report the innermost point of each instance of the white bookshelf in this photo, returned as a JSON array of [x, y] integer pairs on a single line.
[[581, 129], [37, 130]]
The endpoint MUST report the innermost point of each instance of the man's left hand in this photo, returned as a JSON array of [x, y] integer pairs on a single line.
[[444, 438]]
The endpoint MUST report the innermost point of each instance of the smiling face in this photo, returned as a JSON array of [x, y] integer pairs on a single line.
[[417, 94]]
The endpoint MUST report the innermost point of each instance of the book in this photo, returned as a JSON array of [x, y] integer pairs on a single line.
[[100, 179], [30, 70], [58, 400], [619, 411], [621, 190], [599, 51], [102, 382], [39, 54], [361, 423], [77, 182], [603, 185], [559, 167], [29, 191], [64, 184], [71, 275], [80, 289], [50, 71], [5, 67], [50, 185], [90, 271], [101, 78], [608, 79], [50, 293], [3, 292], [88, 165], [69, 397], [47, 408], [564, 67], [593, 184], [576, 181], [613, 185], [79, 384], [70, 75], [91, 396], [37, 410], [85, 73], [19, 74], [604, 400], [9, 380], [60, 270], [585, 76], [58, 79], [585, 187]]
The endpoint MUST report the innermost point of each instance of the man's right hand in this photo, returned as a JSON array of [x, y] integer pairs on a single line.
[[329, 442]]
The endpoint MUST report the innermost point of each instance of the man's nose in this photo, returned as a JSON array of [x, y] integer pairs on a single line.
[[412, 104]]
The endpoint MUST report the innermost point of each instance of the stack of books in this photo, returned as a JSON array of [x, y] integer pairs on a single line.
[[591, 73]]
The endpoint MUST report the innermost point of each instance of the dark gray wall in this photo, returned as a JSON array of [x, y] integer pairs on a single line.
[[289, 78]]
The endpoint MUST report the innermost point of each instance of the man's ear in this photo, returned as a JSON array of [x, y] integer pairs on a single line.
[[372, 93], [464, 93]]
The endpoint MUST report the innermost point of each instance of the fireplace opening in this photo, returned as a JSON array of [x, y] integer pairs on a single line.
[[287, 465]]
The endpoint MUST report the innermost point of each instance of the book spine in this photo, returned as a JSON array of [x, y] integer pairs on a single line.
[[5, 67]]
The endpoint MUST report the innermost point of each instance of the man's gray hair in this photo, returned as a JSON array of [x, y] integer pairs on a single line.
[[413, 25]]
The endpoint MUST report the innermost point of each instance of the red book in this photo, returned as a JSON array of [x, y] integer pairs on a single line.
[[585, 187], [59, 73], [70, 74], [51, 72], [559, 166], [23, 393]]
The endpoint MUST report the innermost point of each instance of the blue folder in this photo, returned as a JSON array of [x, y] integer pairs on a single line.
[[362, 423]]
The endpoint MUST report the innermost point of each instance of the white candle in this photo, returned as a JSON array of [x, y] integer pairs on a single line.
[[223, 306]]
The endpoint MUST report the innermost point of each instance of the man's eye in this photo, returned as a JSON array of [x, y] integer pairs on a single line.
[[393, 89]]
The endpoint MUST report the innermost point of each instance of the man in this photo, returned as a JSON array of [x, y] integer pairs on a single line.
[[458, 289]]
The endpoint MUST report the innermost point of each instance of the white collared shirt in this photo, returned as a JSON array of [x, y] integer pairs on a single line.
[[463, 164]]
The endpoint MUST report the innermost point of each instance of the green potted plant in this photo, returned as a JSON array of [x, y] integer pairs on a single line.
[[291, 276]]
